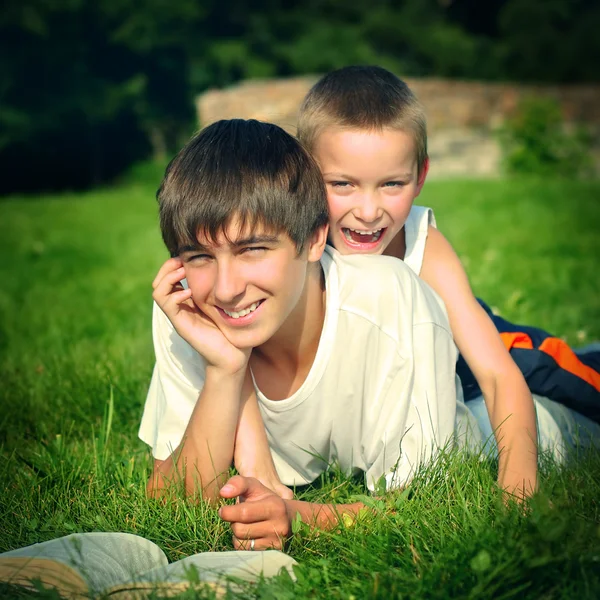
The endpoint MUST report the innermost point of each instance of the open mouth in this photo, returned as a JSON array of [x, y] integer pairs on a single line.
[[244, 312], [357, 236]]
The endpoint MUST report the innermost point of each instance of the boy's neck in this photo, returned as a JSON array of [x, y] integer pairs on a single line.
[[281, 365]]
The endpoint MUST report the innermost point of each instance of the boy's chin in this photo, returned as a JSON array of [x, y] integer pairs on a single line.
[[244, 340]]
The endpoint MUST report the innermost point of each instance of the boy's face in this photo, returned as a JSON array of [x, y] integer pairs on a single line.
[[248, 286], [371, 179]]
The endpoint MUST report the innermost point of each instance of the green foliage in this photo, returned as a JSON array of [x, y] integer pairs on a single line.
[[549, 40], [91, 87], [537, 142]]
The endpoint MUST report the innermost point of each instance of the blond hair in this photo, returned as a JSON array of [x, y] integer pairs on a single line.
[[362, 97]]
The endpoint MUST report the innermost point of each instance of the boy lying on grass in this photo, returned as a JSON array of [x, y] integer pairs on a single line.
[[367, 132], [349, 360]]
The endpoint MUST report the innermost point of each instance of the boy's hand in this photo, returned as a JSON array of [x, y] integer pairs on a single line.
[[191, 323], [266, 475], [261, 515], [271, 481]]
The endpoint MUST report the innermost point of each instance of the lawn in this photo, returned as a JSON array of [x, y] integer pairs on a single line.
[[76, 358]]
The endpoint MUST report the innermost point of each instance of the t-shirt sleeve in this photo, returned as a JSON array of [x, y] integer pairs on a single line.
[[419, 410], [177, 379]]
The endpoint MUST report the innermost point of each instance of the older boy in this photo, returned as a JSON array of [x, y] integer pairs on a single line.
[[350, 358]]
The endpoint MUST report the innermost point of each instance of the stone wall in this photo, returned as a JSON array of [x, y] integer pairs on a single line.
[[461, 115]]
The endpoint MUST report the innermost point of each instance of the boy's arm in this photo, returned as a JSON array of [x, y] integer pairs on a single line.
[[508, 399], [265, 518], [203, 458], [206, 450], [252, 456]]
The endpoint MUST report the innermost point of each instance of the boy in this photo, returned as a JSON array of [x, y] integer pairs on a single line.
[[367, 132], [269, 314]]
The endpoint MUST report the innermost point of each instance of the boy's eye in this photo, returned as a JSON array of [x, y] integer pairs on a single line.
[[254, 250], [393, 184], [197, 258]]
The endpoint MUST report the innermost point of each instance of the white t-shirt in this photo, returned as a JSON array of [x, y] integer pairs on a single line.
[[380, 396], [469, 431]]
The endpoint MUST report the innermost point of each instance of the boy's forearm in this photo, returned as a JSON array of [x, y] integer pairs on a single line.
[[513, 420], [251, 443], [203, 458], [321, 516]]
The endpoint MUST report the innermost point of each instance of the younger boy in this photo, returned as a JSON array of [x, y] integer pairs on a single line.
[[367, 132], [270, 318]]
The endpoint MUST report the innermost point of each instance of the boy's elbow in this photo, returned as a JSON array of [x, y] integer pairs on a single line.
[[165, 474], [151, 488], [504, 380], [157, 481]]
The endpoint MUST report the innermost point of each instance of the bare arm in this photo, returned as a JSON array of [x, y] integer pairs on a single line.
[[206, 451], [507, 397], [252, 456], [203, 458]]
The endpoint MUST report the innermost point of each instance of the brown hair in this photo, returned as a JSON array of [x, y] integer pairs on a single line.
[[362, 97], [253, 171]]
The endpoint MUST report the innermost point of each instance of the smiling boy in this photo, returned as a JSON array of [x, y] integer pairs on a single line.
[[271, 321], [367, 131]]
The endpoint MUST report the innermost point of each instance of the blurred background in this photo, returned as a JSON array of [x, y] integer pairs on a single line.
[[90, 88]]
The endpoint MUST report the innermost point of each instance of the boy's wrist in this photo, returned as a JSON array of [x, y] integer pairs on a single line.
[[222, 374], [321, 516], [224, 383]]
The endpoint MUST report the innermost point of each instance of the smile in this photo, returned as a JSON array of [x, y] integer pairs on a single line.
[[243, 312], [358, 236]]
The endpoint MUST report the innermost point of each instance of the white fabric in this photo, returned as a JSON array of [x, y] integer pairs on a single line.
[[559, 428], [380, 396], [416, 229]]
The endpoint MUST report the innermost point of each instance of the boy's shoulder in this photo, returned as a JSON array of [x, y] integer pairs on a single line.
[[385, 290]]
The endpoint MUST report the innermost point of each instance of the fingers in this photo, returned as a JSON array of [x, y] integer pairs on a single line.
[[248, 487], [248, 512], [168, 280], [268, 543], [168, 290], [234, 486], [168, 266], [268, 533], [262, 516], [284, 492], [257, 531]]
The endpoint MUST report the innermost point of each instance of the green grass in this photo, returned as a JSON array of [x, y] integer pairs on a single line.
[[75, 338], [530, 248]]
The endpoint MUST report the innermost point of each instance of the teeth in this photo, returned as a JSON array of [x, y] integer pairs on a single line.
[[375, 233], [362, 232], [242, 313]]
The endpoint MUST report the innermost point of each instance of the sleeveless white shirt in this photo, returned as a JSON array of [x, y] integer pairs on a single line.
[[416, 229]]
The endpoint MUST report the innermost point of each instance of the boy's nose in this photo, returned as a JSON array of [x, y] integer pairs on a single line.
[[229, 285], [369, 208]]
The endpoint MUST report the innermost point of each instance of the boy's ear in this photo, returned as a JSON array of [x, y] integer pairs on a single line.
[[422, 176], [317, 242]]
